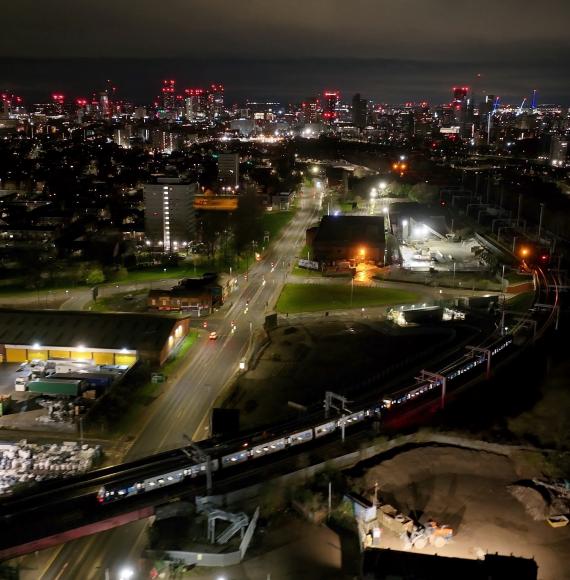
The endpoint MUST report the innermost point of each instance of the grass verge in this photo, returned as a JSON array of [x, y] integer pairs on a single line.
[[121, 408], [521, 302], [313, 298]]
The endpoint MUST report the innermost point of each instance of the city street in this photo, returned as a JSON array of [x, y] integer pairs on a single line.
[[193, 390]]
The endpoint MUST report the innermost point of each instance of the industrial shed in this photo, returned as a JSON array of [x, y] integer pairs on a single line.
[[114, 338], [339, 238]]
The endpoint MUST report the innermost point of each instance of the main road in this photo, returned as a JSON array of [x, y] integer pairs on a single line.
[[186, 403]]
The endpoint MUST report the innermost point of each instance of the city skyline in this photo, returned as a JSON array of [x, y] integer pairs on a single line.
[[139, 80]]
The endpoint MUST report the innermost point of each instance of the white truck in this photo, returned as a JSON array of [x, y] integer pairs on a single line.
[[21, 382]]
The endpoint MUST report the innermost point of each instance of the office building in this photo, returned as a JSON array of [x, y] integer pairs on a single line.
[[359, 111], [168, 95], [215, 101], [331, 102], [228, 170], [169, 213], [558, 150], [311, 109], [195, 104]]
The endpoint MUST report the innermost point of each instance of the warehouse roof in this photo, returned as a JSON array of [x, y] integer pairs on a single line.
[[89, 329], [351, 229]]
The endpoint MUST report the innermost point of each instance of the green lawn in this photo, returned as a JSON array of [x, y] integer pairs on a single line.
[[521, 302], [181, 352], [305, 272], [316, 297], [141, 397], [120, 302], [274, 222], [151, 274]]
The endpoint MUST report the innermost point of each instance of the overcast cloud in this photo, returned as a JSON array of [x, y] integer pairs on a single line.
[[404, 49]]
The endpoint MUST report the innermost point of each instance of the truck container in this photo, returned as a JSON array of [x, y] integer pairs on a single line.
[[70, 388], [92, 380]]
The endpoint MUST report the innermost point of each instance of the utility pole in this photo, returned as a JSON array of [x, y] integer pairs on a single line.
[[351, 290], [519, 210], [197, 454], [540, 220], [435, 378]]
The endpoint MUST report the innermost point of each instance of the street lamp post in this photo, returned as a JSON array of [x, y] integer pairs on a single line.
[[351, 290]]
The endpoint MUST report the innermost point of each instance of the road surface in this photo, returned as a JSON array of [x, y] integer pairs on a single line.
[[183, 407]]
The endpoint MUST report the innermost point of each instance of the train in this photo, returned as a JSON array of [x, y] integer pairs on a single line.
[[248, 449]]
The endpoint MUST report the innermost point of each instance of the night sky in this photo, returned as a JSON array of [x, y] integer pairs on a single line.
[[389, 50]]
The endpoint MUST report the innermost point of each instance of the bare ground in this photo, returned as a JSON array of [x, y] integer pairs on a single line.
[[468, 490]]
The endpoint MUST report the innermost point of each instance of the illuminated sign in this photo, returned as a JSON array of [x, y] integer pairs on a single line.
[[216, 203]]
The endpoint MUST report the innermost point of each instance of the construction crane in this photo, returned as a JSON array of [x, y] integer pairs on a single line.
[[533, 104], [490, 117], [520, 109]]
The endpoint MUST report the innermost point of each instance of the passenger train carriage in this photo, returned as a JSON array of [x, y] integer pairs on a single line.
[[245, 450]]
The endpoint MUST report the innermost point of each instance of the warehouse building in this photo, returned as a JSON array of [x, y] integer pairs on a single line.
[[340, 238], [113, 339]]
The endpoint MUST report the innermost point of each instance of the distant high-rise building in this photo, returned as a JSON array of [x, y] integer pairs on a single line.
[[169, 212], [558, 150], [463, 110], [104, 105], [311, 109], [168, 95], [228, 170], [359, 111], [215, 100], [195, 104], [460, 94], [331, 102]]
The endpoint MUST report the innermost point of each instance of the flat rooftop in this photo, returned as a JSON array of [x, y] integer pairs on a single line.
[[90, 329]]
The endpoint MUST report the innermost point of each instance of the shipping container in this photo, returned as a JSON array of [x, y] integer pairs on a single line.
[[91, 379], [70, 388]]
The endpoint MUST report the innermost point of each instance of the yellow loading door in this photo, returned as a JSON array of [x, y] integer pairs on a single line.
[[59, 354], [37, 354], [103, 358], [81, 355], [125, 359], [16, 355]]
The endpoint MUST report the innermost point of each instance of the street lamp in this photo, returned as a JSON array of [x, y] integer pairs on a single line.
[[126, 574], [382, 185]]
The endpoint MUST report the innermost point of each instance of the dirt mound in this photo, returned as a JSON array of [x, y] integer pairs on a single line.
[[532, 500], [428, 462]]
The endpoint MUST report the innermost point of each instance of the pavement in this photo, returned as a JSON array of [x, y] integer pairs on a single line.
[[184, 405]]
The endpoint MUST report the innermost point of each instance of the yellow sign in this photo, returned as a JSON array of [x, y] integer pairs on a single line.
[[216, 202]]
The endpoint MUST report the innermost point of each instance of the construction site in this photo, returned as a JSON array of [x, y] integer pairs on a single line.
[[464, 504]]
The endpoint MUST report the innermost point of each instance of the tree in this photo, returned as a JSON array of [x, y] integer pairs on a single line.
[[247, 221], [423, 193], [94, 275]]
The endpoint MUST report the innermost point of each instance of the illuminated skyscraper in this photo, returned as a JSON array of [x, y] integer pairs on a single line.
[[168, 95], [311, 110], [331, 102], [195, 104], [169, 218], [228, 170], [215, 100]]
